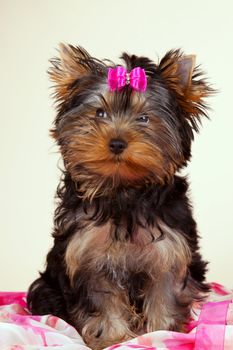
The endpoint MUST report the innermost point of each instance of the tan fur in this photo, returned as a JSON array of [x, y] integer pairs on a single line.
[[95, 245]]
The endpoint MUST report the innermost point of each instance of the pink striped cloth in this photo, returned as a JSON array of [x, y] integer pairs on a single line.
[[211, 328]]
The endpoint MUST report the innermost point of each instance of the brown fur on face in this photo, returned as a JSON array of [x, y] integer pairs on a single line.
[[152, 154]]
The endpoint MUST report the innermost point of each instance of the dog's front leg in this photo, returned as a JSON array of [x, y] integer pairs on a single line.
[[166, 304], [103, 315]]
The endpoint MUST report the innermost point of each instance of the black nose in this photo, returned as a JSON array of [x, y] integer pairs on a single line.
[[117, 146]]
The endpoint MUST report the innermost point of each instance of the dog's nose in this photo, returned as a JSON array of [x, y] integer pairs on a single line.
[[117, 146]]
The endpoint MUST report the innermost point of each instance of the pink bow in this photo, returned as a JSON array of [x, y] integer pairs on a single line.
[[119, 77]]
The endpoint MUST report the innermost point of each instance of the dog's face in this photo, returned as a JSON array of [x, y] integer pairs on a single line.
[[111, 139]]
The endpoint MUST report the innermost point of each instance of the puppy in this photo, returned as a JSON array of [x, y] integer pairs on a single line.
[[125, 258]]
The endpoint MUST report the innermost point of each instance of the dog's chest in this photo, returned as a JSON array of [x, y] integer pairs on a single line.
[[96, 248]]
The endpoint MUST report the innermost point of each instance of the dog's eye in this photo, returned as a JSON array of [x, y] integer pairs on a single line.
[[144, 119], [100, 113]]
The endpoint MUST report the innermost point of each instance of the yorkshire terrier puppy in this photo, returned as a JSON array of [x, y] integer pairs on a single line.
[[125, 258]]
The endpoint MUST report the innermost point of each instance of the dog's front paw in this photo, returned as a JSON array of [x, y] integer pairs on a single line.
[[99, 333]]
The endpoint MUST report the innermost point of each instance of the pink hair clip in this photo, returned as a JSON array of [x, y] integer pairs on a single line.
[[119, 77]]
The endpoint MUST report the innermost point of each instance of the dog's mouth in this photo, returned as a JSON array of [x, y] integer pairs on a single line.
[[122, 170], [118, 168], [127, 170], [106, 175], [117, 162]]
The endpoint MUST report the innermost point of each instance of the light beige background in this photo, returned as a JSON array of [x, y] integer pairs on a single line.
[[29, 33]]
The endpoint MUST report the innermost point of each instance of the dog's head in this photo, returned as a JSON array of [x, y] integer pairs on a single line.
[[124, 136]]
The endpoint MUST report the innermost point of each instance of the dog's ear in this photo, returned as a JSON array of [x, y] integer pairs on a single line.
[[72, 64], [186, 80]]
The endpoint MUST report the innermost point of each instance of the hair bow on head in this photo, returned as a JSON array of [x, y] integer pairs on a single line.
[[119, 77]]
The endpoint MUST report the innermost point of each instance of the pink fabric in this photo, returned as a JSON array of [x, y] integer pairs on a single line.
[[118, 78], [211, 327], [214, 312], [13, 297]]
